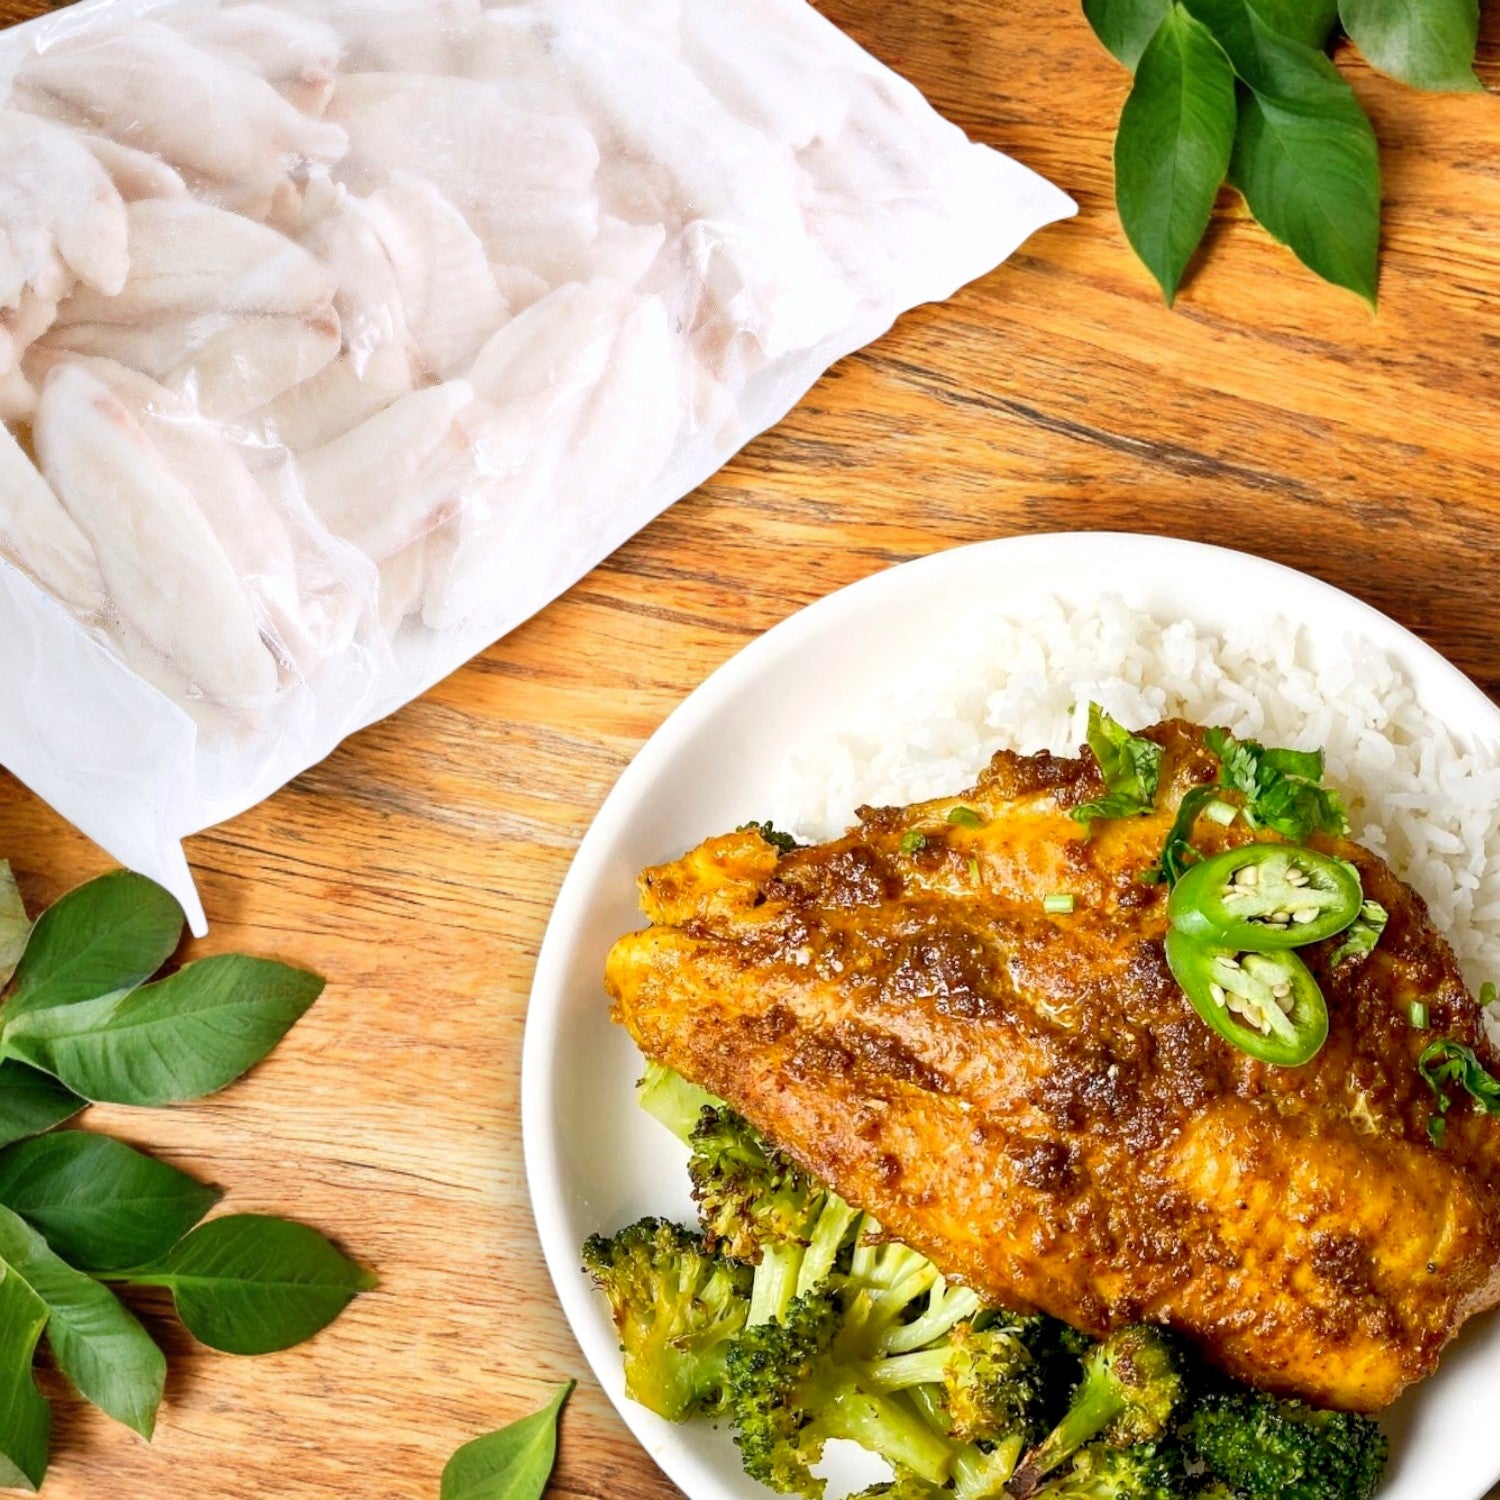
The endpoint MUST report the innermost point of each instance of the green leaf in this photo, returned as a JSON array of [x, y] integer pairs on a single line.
[[97, 1344], [1130, 765], [15, 926], [1267, 56], [1426, 43], [1177, 851], [1447, 1061], [511, 1464], [1305, 155], [1308, 21], [25, 1417], [1125, 26], [109, 935], [31, 1102], [172, 1041], [249, 1284], [1173, 146], [1361, 936], [100, 1204], [1281, 787]]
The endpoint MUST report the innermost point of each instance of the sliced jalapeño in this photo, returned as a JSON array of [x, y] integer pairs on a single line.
[[1266, 897], [1266, 1004]]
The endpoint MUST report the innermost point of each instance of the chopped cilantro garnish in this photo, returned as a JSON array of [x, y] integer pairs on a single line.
[[1281, 788], [772, 835], [911, 841], [1363, 933], [1446, 1062], [1130, 765]]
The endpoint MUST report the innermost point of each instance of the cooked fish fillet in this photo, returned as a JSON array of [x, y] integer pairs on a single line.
[[1031, 1100]]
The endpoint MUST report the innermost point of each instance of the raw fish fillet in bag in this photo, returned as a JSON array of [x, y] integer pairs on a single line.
[[339, 336]]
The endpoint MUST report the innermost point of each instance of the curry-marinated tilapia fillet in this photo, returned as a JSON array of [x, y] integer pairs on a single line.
[[1030, 1099]]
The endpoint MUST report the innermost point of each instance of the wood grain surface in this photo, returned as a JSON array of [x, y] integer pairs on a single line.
[[417, 865]]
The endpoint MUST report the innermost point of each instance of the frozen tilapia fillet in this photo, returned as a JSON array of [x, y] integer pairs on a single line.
[[348, 333], [1028, 1097]]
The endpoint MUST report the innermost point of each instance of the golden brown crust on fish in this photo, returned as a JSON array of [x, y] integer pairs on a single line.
[[1031, 1100]]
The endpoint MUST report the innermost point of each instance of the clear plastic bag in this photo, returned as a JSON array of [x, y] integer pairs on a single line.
[[339, 336]]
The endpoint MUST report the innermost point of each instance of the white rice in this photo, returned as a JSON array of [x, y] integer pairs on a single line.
[[1415, 796]]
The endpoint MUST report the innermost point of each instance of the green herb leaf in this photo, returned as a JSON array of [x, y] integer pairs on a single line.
[[1310, 172], [1426, 43], [1126, 26], [1177, 852], [25, 1417], [172, 1041], [1308, 21], [101, 1205], [964, 817], [15, 926], [1447, 1062], [250, 1284], [1130, 765], [771, 834], [1173, 146], [109, 935], [1281, 788], [1362, 934], [511, 1464], [97, 1344], [31, 1102], [912, 841]]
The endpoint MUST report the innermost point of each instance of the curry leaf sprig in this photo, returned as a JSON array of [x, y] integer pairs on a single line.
[[1244, 91], [83, 1020]]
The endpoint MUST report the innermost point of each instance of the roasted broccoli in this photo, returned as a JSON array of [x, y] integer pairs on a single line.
[[677, 1306], [1131, 1386], [668, 1097], [789, 1391], [1269, 1449], [761, 1206], [904, 1487], [1146, 1471], [991, 1381]]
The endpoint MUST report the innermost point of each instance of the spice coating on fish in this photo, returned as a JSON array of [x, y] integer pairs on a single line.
[[1027, 1096]]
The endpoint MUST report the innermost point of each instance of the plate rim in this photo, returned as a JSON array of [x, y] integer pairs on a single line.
[[542, 1032]]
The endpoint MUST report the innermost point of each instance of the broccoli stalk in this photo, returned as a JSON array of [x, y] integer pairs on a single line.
[[979, 1472], [1131, 1386], [1268, 1449], [991, 1382], [677, 1307], [762, 1207], [1100, 1472], [668, 1097], [788, 1393]]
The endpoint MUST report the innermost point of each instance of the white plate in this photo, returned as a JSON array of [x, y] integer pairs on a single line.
[[595, 1161]]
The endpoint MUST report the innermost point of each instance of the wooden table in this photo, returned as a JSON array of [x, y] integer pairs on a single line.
[[417, 865]]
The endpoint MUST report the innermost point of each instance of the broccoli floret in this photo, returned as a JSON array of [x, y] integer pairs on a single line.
[[757, 1203], [677, 1306], [1270, 1449], [1131, 1385], [1146, 1471], [904, 1487], [992, 1384], [789, 1392], [667, 1096]]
